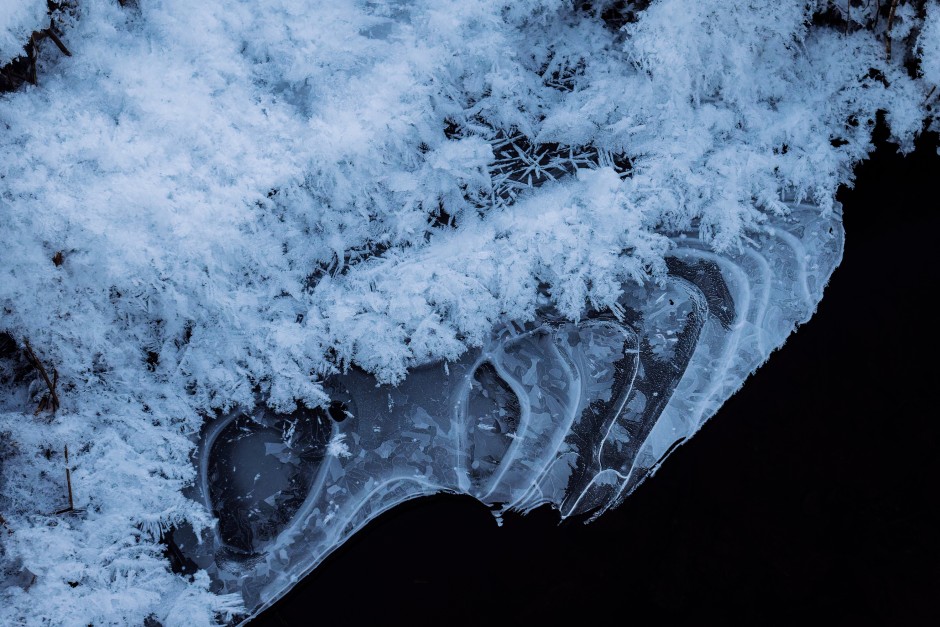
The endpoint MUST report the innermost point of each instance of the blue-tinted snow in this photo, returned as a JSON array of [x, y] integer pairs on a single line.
[[247, 201]]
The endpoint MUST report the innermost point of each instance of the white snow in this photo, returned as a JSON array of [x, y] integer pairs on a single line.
[[337, 447], [196, 163], [929, 44], [18, 19]]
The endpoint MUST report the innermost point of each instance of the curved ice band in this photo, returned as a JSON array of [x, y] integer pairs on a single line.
[[575, 415]]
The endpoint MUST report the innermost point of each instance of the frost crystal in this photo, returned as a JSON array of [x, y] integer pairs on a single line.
[[555, 234], [18, 19]]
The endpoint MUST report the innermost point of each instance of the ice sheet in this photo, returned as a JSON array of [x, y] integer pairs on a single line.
[[574, 415]]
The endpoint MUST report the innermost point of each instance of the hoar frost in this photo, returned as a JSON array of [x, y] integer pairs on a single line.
[[212, 205], [18, 20]]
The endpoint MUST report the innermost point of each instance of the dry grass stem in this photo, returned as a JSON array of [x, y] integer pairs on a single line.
[[50, 401]]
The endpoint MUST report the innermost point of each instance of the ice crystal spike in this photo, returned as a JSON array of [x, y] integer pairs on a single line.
[[574, 415]]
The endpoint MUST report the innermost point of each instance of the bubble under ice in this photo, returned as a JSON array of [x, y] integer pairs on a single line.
[[574, 415]]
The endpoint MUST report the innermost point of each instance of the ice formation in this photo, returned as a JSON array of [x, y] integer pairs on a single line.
[[556, 234], [572, 414]]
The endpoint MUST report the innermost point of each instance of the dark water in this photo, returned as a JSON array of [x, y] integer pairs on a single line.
[[810, 496]]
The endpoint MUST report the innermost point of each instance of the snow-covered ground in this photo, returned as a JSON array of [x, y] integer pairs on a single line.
[[18, 19], [210, 203]]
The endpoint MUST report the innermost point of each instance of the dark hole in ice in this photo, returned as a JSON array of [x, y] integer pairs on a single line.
[[493, 413], [499, 397], [595, 422], [706, 276], [180, 563], [260, 471], [338, 411]]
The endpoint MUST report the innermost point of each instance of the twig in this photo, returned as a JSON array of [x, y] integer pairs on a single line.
[[68, 481], [894, 5], [50, 402], [32, 49], [58, 42], [31, 55], [68, 477], [929, 94]]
